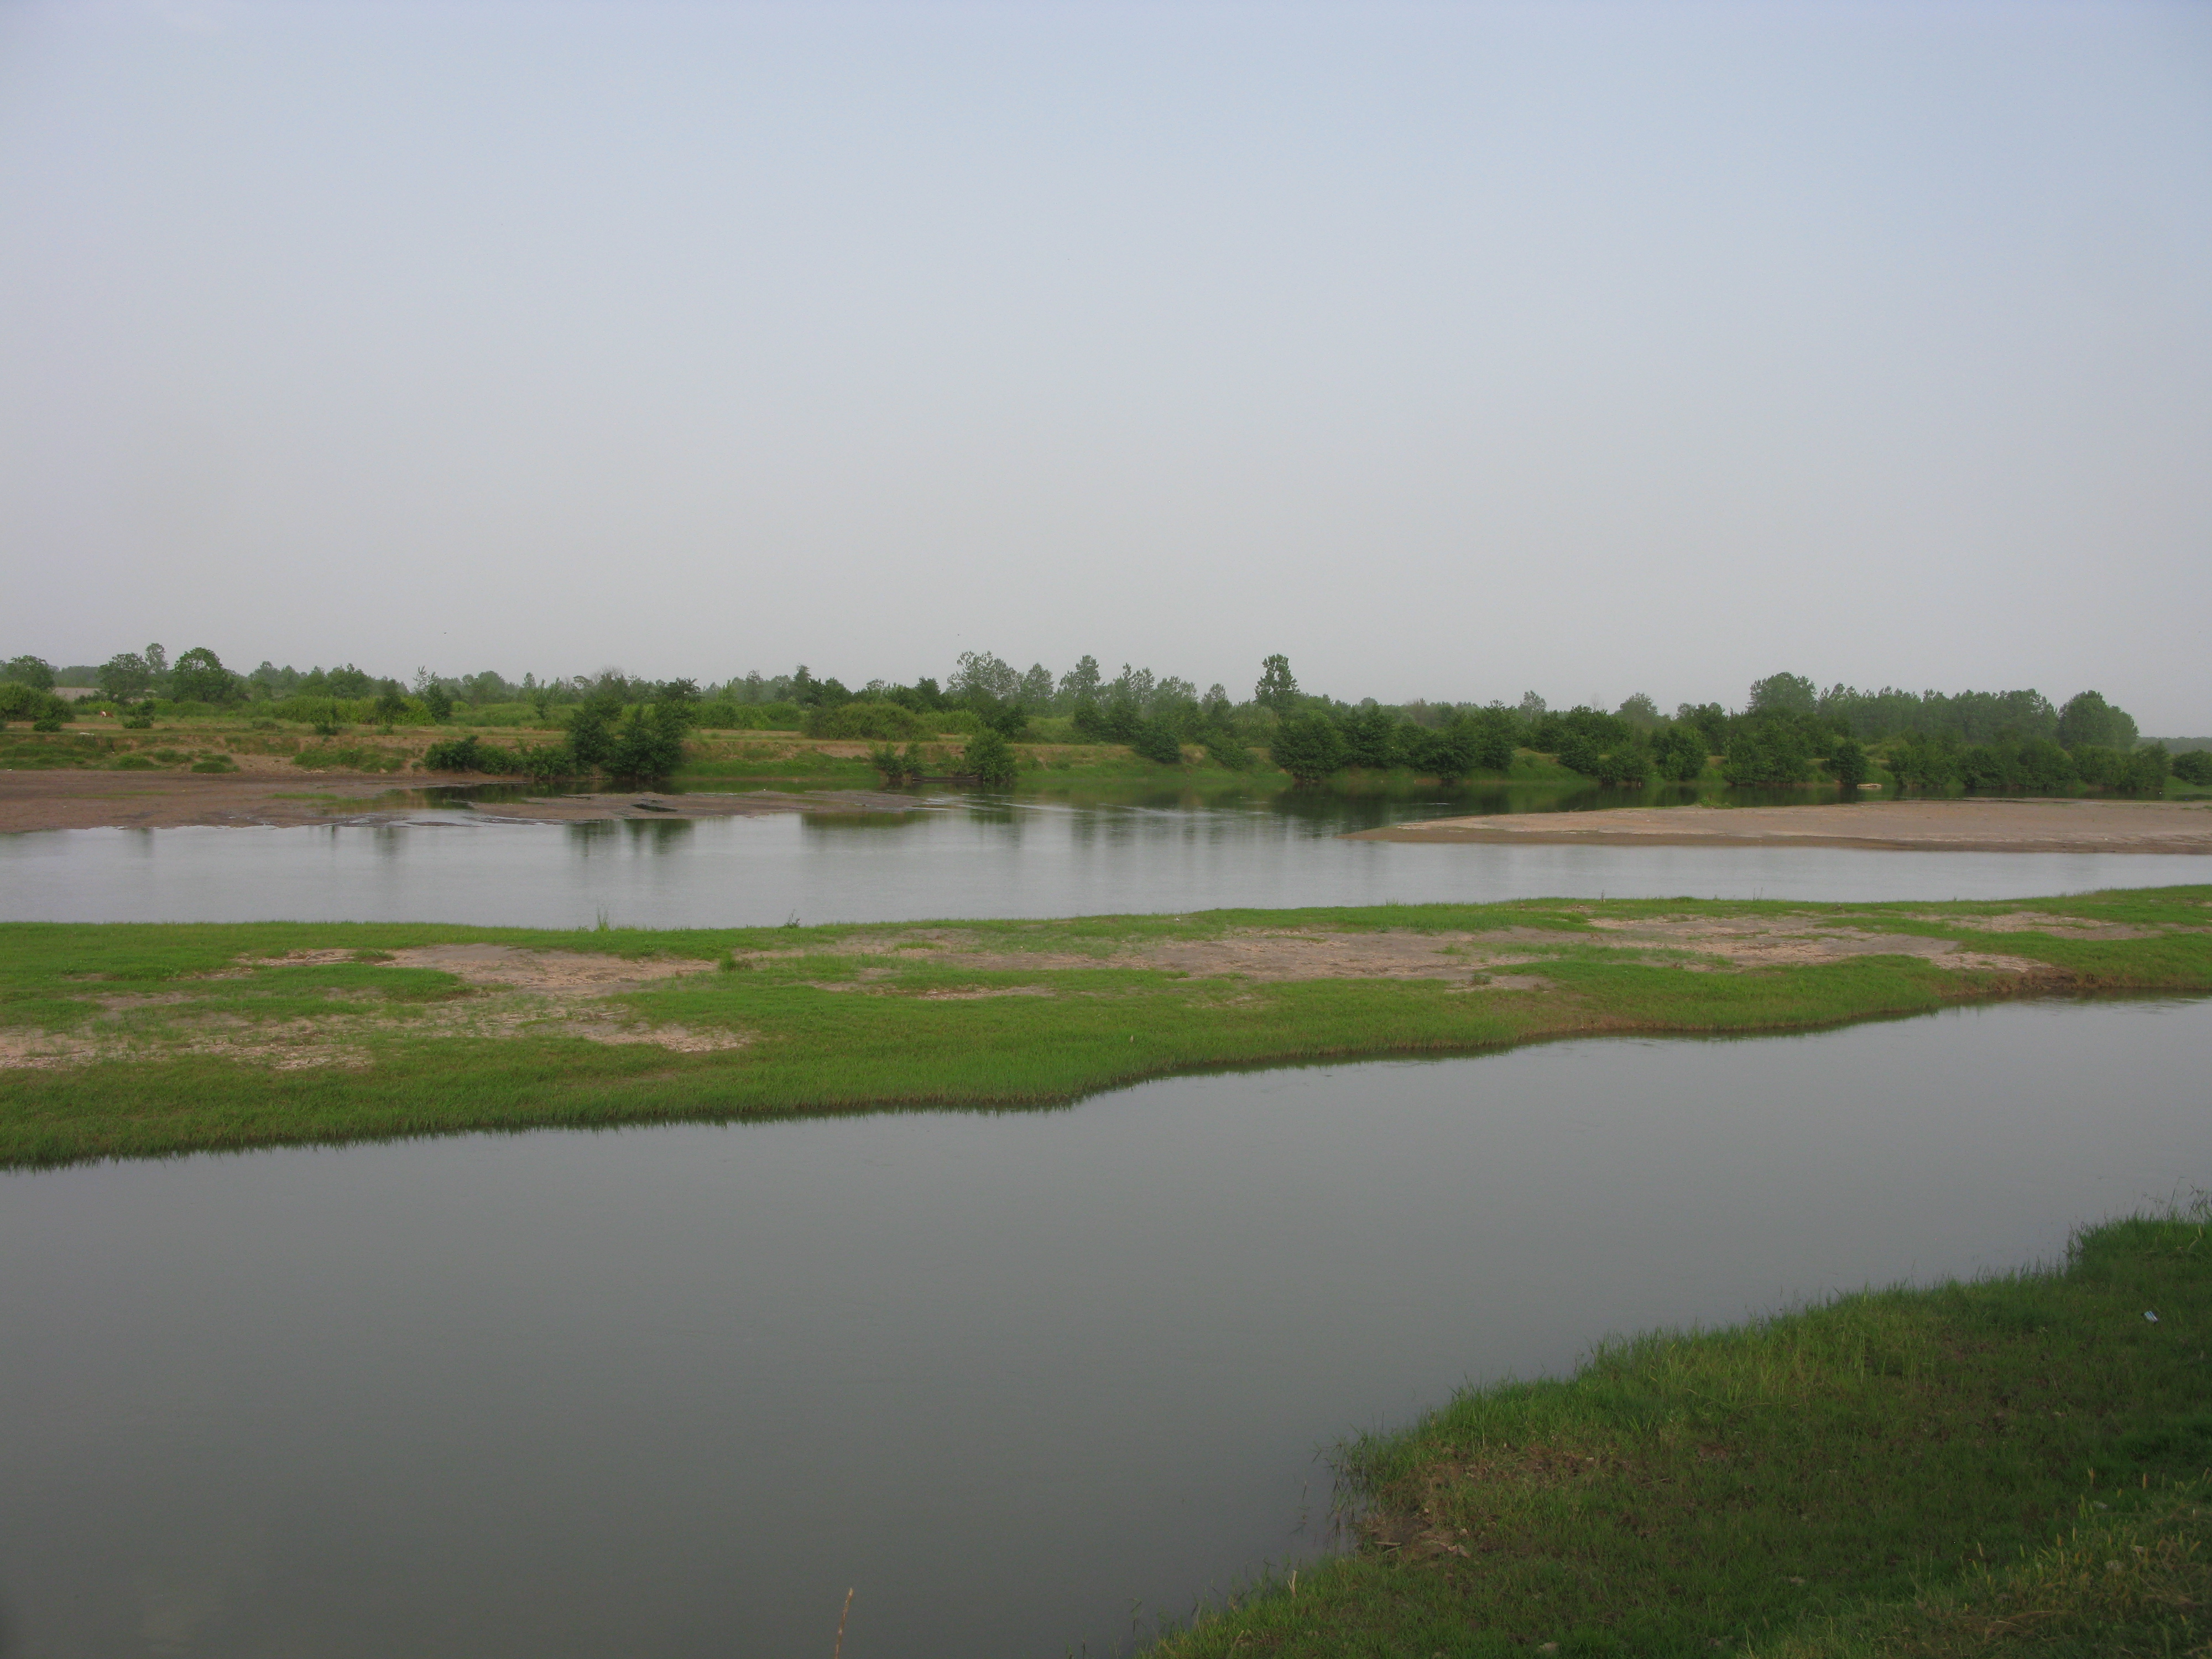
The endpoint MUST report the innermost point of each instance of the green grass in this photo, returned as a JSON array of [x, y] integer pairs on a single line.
[[2021, 1465], [189, 1038]]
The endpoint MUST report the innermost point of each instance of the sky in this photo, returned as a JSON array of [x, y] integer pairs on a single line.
[[1454, 350]]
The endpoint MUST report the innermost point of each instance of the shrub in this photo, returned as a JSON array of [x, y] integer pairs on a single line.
[[1627, 767], [470, 755], [1157, 744], [199, 677], [35, 671], [2143, 773], [1847, 759], [1308, 746], [650, 744], [1225, 752], [897, 768], [2195, 766], [1680, 752], [46, 711], [439, 702], [990, 759]]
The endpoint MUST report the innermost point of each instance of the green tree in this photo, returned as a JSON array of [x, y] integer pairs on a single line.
[[35, 671], [391, 706], [1157, 743], [591, 728], [124, 675], [200, 677], [1278, 688], [1847, 759], [2087, 721], [439, 701], [1308, 746], [1680, 752], [1783, 694], [990, 759]]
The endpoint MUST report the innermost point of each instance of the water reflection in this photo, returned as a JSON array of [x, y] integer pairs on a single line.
[[1024, 856]]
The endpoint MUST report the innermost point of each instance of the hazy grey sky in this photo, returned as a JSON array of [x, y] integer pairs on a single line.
[[1453, 350]]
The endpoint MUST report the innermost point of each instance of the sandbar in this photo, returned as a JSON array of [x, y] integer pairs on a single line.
[[1955, 826]]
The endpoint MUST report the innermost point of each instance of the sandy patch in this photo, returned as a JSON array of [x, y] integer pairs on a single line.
[[1265, 955], [534, 993], [1977, 826], [544, 973]]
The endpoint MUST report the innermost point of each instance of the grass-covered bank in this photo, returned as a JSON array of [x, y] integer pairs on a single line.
[[126, 1040], [2021, 1465]]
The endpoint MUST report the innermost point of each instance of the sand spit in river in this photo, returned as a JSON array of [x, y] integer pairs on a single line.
[[1927, 826]]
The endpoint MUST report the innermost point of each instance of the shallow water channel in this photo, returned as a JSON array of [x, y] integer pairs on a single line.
[[1016, 1378], [949, 857]]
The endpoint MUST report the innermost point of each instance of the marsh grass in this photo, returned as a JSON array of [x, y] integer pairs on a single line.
[[833, 1020], [2019, 1465]]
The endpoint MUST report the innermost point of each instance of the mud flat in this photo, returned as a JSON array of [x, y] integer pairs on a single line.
[[1960, 826], [99, 800]]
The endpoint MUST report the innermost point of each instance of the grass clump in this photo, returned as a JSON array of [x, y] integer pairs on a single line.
[[2015, 1466]]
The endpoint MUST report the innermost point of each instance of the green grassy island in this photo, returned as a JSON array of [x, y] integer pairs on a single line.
[[127, 1040]]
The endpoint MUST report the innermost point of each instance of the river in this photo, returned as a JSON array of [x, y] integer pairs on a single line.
[[949, 858], [1016, 1378]]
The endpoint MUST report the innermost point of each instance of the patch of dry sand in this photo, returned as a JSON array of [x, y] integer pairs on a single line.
[[1963, 826]]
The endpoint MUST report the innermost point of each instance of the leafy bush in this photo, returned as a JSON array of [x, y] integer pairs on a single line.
[[1680, 752], [1776, 753], [1847, 759], [2143, 773], [897, 768], [200, 677], [1627, 767], [2194, 766], [35, 671], [470, 754], [650, 744], [1225, 752], [46, 711], [1156, 743], [990, 759], [1308, 746], [438, 703], [1370, 739]]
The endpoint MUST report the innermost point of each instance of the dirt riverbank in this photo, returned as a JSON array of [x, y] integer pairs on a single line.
[[93, 800], [1959, 826]]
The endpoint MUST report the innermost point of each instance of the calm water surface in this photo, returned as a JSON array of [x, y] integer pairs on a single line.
[[670, 1391], [955, 858]]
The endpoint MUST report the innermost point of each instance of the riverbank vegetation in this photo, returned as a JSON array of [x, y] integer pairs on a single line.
[[1788, 732], [121, 1040], [2021, 1465]]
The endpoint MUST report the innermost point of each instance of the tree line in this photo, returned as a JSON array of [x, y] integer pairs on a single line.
[[1788, 730]]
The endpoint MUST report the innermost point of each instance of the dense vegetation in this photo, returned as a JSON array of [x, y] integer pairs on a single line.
[[1787, 732]]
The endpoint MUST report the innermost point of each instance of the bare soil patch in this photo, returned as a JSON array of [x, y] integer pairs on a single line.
[[1963, 826], [538, 993], [1266, 955]]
